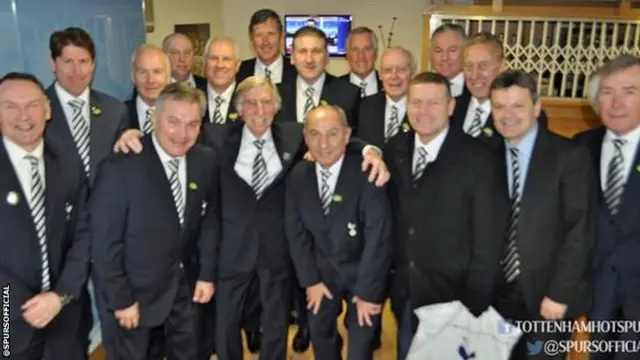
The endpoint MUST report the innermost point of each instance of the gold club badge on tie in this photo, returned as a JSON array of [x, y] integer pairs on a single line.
[[12, 198]]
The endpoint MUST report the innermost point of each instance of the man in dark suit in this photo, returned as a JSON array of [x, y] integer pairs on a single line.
[[547, 253], [166, 209], [150, 73], [383, 114], [362, 52], [483, 61], [84, 124], [614, 152], [450, 209], [267, 38], [45, 258], [314, 85], [338, 226]]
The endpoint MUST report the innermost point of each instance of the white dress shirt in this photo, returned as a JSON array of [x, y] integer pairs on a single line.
[[224, 107], [276, 69], [247, 154], [332, 181], [628, 152], [371, 80], [301, 98], [141, 110], [22, 166], [432, 147], [190, 80], [401, 105], [65, 98], [182, 166], [457, 84], [471, 113]]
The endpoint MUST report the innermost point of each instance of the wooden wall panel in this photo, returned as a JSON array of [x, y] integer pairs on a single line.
[[568, 117]]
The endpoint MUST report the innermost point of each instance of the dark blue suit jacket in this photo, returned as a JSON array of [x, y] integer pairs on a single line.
[[139, 245], [68, 241]]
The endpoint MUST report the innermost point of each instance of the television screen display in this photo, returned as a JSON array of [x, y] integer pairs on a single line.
[[336, 27]]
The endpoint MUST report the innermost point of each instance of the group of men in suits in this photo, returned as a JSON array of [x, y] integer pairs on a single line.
[[485, 205]]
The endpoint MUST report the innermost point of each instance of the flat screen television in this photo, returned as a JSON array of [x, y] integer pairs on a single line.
[[336, 27]]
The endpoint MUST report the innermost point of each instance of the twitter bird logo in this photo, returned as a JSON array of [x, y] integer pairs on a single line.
[[534, 348]]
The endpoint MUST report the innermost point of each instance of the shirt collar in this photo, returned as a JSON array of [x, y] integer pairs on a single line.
[[164, 157], [277, 64], [226, 94], [65, 97], [249, 138], [433, 147], [17, 153], [485, 106], [525, 145], [369, 79], [317, 86], [458, 79], [141, 105], [333, 169], [402, 103], [190, 80], [632, 137]]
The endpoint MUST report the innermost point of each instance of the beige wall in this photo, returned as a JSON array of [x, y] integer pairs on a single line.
[[231, 17]]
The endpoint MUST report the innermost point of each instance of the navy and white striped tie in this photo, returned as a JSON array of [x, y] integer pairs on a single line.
[[259, 172], [148, 125], [308, 105], [511, 260], [421, 164], [476, 125], [80, 133], [363, 89], [615, 178], [394, 123], [36, 205], [217, 114], [325, 194], [176, 188], [267, 74]]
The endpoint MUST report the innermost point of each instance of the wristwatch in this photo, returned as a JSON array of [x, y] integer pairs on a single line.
[[65, 299]]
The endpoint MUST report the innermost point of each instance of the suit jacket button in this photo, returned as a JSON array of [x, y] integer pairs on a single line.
[[181, 265], [411, 232], [412, 264]]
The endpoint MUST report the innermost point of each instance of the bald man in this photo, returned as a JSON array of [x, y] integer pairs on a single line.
[[339, 239], [179, 47]]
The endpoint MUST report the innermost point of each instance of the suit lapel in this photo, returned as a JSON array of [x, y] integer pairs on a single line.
[[541, 165], [344, 187], [326, 94], [628, 213], [289, 93], [157, 175], [287, 145], [595, 147], [404, 157], [379, 126], [54, 199], [312, 195], [9, 182], [58, 122], [132, 109], [193, 179], [101, 131]]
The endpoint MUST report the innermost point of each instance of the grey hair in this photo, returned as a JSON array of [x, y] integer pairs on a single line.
[[450, 27], [144, 47], [406, 52], [253, 82], [222, 38], [181, 91], [166, 43], [364, 30]]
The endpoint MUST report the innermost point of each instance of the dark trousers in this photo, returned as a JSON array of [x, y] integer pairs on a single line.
[[251, 317], [324, 330], [35, 350], [611, 301], [300, 305], [231, 296], [108, 323], [511, 306], [407, 326], [179, 331]]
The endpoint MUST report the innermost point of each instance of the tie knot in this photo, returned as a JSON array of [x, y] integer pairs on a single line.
[[394, 110], [310, 91], [259, 144], [32, 160], [173, 165], [479, 111], [514, 151], [325, 174], [76, 104], [363, 84], [618, 143], [267, 72], [422, 152], [149, 112], [219, 100]]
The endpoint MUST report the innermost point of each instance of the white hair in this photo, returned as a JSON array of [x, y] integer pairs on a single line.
[[222, 38]]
